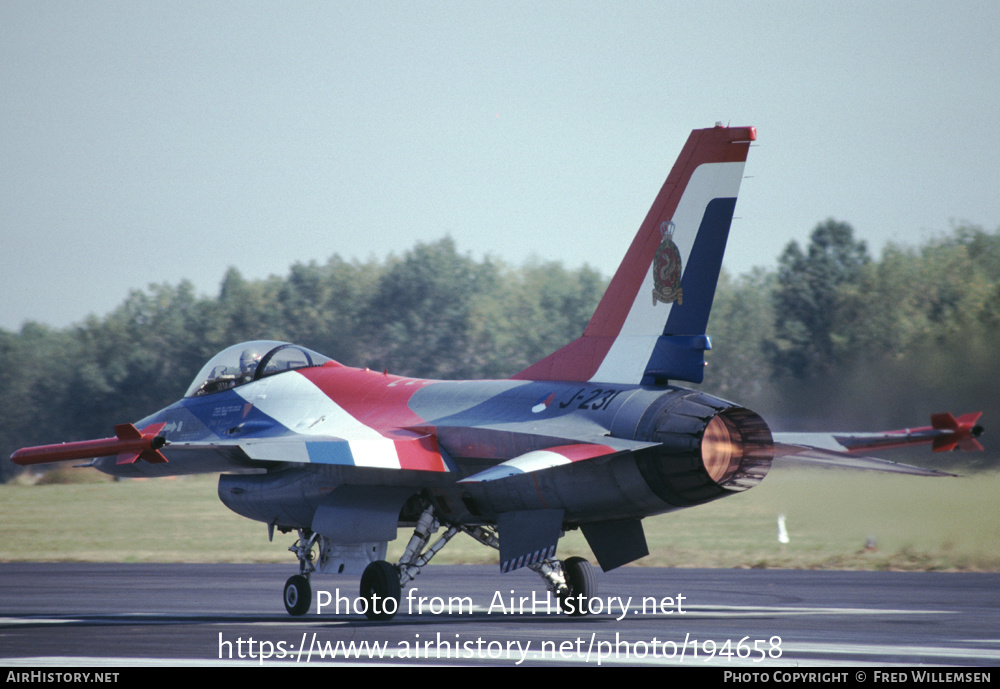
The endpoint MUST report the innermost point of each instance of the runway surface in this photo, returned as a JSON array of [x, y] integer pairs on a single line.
[[141, 614]]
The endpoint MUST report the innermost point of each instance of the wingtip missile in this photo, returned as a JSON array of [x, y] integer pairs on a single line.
[[961, 432], [945, 433], [129, 445]]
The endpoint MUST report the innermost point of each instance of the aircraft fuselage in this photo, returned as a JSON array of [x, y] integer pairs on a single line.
[[656, 455]]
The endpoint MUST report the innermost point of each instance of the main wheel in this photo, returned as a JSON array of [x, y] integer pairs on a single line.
[[380, 588], [298, 595], [581, 582]]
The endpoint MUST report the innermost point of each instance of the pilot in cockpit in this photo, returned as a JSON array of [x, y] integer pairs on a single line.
[[249, 360]]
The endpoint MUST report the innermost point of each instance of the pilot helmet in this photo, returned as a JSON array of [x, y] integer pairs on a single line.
[[248, 362]]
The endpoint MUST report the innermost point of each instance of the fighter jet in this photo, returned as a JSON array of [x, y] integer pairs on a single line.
[[596, 436]]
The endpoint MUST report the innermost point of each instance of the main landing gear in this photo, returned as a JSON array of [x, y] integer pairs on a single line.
[[381, 590], [298, 595], [572, 581]]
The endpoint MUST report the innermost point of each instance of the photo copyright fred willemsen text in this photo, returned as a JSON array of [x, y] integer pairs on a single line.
[[448, 646]]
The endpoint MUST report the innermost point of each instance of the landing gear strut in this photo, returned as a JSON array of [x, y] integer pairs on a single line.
[[298, 592], [382, 583], [572, 580], [581, 586]]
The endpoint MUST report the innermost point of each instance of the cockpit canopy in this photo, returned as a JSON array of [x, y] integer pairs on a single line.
[[249, 361]]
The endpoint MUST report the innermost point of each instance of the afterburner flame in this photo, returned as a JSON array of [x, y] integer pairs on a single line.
[[736, 449], [721, 449]]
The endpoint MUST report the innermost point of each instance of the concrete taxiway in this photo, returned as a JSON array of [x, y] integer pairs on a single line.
[[128, 614]]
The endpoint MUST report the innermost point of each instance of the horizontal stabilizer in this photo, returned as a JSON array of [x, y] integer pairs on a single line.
[[840, 449], [804, 454]]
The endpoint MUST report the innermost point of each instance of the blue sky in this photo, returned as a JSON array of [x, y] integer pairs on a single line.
[[156, 142]]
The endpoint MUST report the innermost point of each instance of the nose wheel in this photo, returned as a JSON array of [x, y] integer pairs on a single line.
[[298, 592]]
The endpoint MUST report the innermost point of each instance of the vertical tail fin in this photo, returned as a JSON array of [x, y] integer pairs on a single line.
[[650, 325]]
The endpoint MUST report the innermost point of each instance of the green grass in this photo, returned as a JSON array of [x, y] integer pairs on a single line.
[[917, 524]]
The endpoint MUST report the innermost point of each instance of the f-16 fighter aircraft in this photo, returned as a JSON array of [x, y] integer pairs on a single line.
[[595, 436]]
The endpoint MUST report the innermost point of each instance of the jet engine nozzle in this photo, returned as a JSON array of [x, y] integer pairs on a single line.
[[736, 449], [708, 447]]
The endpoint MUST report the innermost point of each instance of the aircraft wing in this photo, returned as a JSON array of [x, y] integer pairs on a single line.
[[845, 449], [407, 451], [403, 450]]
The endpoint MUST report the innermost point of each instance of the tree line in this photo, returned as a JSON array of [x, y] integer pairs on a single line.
[[881, 341]]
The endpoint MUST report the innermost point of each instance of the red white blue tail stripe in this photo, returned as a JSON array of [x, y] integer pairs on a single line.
[[650, 325]]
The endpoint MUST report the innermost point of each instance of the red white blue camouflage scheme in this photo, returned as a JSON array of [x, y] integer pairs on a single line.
[[595, 436]]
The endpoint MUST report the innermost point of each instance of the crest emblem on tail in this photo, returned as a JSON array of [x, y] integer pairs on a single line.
[[667, 268]]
